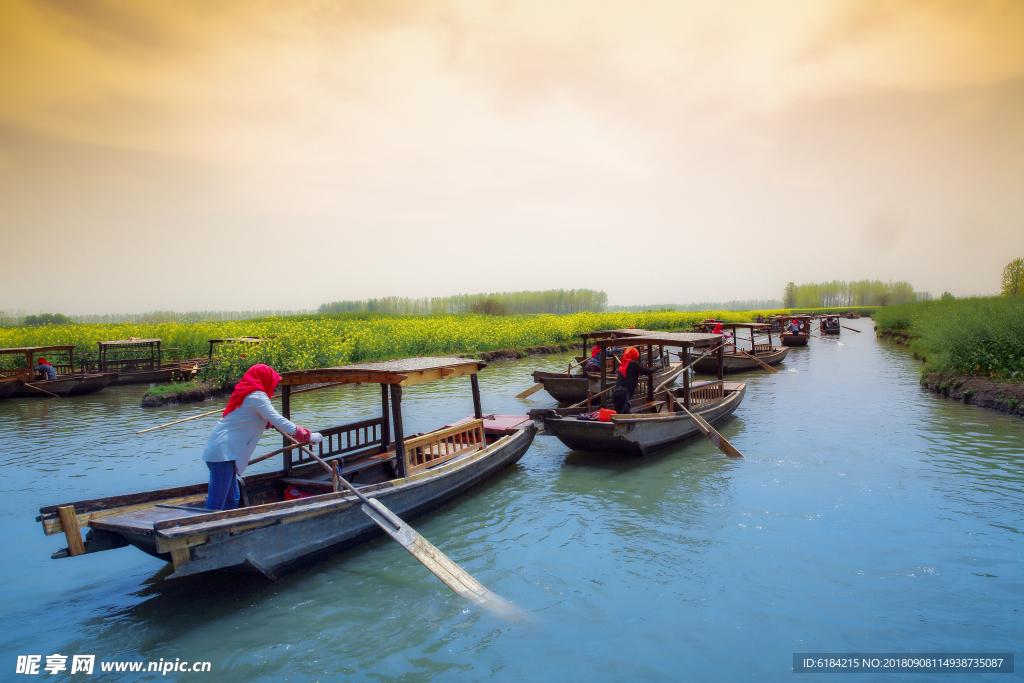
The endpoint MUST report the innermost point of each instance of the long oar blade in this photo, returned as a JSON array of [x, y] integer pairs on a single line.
[[720, 441], [531, 391], [453, 576], [753, 357], [849, 328]]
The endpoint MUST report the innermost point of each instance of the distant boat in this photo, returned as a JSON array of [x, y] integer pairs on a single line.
[[655, 422], [11, 383], [140, 361], [67, 383], [828, 323], [736, 359], [801, 337]]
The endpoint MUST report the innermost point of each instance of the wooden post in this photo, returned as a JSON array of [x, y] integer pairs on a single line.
[[286, 410], [159, 356], [72, 532], [604, 376], [721, 362], [686, 378], [385, 411], [180, 556], [650, 379], [396, 411], [478, 411]]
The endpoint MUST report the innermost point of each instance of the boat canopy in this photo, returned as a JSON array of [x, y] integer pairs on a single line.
[[680, 339], [38, 349], [403, 373]]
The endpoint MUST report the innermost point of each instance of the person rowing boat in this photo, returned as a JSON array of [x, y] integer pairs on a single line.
[[626, 379]]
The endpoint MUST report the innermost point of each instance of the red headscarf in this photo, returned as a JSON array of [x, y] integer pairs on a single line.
[[259, 377], [630, 354], [718, 329], [596, 350], [41, 361]]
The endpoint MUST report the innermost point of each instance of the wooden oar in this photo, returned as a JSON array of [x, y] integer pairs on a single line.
[[194, 417], [272, 454], [752, 357], [42, 390], [850, 329], [720, 441], [532, 390], [453, 576], [597, 395]]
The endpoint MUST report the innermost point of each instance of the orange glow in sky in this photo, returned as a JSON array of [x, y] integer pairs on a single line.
[[179, 155]]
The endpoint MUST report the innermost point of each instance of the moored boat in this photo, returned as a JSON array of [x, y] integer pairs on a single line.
[[271, 534], [572, 388], [67, 383], [736, 359], [140, 361], [656, 420]]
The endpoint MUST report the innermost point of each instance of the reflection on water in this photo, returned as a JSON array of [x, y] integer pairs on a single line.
[[868, 515]]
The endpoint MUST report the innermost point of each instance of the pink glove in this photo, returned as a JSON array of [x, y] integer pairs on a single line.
[[301, 434]]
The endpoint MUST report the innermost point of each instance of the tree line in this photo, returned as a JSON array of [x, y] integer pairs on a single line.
[[553, 301], [842, 294], [736, 305]]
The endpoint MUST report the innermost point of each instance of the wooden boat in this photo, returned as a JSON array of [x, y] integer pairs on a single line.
[[735, 361], [140, 361], [270, 535], [67, 383], [654, 422], [828, 323], [799, 339], [11, 383], [573, 388]]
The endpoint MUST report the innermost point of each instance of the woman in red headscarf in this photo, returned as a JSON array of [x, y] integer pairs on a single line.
[[626, 379], [236, 435], [44, 370]]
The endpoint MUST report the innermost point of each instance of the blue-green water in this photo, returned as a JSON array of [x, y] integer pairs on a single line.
[[868, 516]]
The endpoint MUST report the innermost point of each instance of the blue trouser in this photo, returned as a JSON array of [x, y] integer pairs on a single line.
[[223, 492]]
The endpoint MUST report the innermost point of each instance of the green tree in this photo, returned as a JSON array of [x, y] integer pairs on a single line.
[[789, 296], [1013, 278]]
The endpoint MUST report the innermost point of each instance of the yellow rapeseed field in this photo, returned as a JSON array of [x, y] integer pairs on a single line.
[[331, 340]]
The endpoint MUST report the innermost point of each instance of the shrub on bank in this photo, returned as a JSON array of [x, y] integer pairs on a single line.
[[979, 336]]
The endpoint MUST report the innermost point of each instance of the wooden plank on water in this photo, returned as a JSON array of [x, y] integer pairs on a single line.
[[72, 532]]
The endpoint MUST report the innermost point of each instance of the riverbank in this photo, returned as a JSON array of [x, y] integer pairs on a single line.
[[1006, 397], [194, 391]]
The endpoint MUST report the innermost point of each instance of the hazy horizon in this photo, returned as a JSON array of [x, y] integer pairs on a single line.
[[189, 156]]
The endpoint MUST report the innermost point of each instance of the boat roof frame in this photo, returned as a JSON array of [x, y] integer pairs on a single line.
[[680, 339], [37, 349]]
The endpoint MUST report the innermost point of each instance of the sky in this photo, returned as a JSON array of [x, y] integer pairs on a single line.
[[185, 155]]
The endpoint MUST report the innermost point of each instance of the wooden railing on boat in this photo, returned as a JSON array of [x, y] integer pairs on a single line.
[[442, 445], [762, 348], [342, 439], [706, 393]]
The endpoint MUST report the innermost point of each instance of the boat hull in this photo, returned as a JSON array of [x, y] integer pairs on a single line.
[[65, 386], [566, 389], [152, 376], [735, 362], [826, 331], [639, 435], [9, 385], [794, 339], [323, 525]]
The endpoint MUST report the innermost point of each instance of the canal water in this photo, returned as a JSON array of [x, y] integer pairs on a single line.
[[868, 516]]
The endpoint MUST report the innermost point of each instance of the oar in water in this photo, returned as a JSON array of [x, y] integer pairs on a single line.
[[453, 576], [27, 384], [194, 417], [720, 441], [531, 391], [753, 357], [850, 329]]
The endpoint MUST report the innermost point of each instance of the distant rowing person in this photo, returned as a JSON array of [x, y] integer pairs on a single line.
[[236, 435], [626, 379], [794, 326], [44, 370]]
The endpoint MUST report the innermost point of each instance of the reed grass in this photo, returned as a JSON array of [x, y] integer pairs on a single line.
[[983, 337]]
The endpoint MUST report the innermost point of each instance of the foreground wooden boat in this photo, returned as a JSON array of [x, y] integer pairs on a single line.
[[801, 337], [655, 421], [140, 361], [11, 383], [270, 535], [566, 387], [736, 359], [68, 382], [829, 324]]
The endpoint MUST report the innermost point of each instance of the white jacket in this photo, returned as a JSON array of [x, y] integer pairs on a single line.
[[235, 437]]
